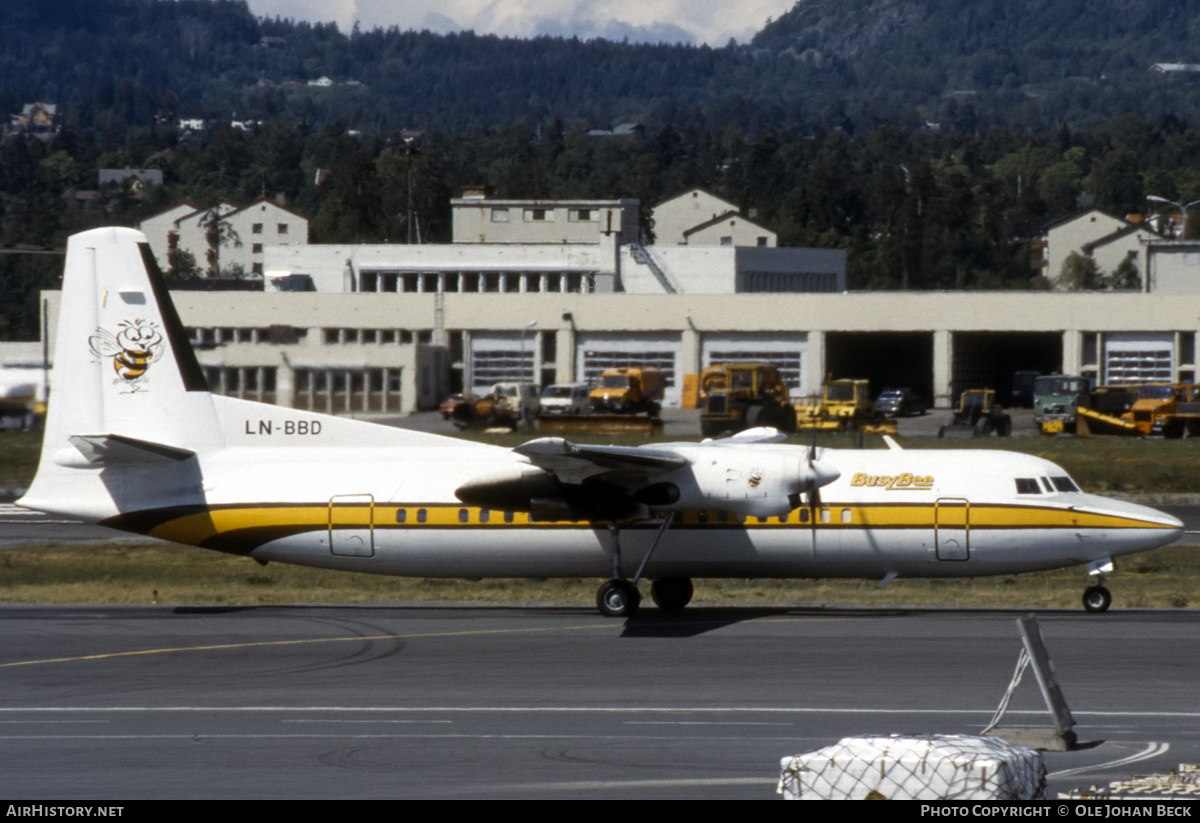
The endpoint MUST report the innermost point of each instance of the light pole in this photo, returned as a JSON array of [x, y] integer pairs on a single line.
[[1183, 210], [521, 383], [410, 150]]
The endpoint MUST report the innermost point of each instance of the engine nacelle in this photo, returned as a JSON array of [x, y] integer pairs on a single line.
[[752, 482]]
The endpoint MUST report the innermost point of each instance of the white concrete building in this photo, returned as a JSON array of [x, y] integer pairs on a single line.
[[1106, 239], [400, 351], [480, 219], [601, 267], [241, 234], [700, 218], [396, 327], [1173, 266]]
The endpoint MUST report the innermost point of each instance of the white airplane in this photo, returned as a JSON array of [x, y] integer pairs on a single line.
[[135, 441]]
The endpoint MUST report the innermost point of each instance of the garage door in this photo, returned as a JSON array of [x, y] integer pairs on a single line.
[[1139, 358], [501, 357], [786, 351]]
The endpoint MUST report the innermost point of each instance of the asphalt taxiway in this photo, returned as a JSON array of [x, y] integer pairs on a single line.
[[384, 701]]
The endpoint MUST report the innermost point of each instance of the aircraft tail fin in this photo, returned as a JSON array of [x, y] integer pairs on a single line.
[[126, 386]]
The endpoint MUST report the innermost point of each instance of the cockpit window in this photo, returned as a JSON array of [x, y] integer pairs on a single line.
[[1064, 484], [1027, 485]]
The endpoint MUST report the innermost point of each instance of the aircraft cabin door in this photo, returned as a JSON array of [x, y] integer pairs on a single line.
[[352, 525], [952, 528]]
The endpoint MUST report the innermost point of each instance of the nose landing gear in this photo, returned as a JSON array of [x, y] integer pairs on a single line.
[[1096, 599]]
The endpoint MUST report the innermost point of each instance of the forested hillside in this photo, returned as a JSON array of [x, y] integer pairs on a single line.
[[987, 63], [114, 64]]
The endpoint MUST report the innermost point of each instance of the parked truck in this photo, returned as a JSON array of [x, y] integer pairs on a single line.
[[1165, 410], [629, 390], [1055, 399], [738, 396], [1069, 404]]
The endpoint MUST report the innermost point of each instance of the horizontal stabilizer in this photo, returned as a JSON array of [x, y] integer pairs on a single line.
[[116, 448]]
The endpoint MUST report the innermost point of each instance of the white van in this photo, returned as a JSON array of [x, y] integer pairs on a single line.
[[565, 398]]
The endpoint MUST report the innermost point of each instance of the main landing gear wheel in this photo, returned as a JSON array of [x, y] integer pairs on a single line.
[[618, 598], [1096, 599], [671, 593]]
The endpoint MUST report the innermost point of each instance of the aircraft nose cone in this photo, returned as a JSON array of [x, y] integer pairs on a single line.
[[1161, 518], [823, 474]]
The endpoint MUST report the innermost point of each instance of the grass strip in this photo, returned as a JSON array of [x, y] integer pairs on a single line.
[[119, 573]]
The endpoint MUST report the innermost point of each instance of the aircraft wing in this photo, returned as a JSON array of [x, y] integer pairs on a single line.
[[574, 463], [750, 475]]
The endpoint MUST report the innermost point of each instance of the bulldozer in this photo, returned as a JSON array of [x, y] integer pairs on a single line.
[[739, 396], [844, 406]]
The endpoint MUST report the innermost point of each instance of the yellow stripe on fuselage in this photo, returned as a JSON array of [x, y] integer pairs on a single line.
[[202, 526], [208, 526]]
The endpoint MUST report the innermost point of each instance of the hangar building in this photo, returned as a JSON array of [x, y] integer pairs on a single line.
[[396, 327]]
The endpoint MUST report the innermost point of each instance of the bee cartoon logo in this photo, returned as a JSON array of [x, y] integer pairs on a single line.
[[133, 349]]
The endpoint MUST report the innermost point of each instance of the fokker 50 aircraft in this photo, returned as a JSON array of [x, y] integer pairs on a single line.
[[135, 441]]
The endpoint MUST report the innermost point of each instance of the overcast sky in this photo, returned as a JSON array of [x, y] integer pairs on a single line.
[[687, 21]]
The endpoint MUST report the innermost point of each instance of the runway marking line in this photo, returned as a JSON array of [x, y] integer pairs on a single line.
[[264, 643], [677, 710], [1151, 750]]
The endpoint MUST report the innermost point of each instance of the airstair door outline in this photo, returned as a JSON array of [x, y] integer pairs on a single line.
[[352, 525], [952, 528]]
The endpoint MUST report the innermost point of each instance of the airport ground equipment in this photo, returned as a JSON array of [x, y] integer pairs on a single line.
[[1170, 410], [1165, 410], [507, 405], [1055, 398], [1059, 737], [844, 406], [629, 390], [978, 413], [1070, 404], [915, 767], [740, 396]]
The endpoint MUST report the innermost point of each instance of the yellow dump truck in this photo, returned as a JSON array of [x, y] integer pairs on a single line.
[[628, 390]]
